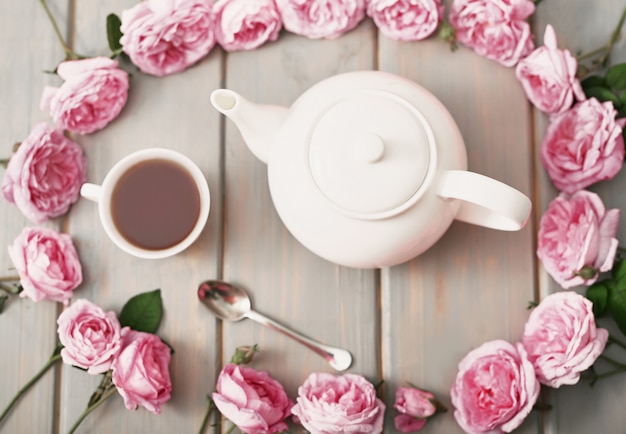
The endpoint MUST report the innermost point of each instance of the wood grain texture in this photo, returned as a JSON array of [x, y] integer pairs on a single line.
[[28, 47], [413, 322], [333, 304], [580, 29], [169, 113], [475, 283]]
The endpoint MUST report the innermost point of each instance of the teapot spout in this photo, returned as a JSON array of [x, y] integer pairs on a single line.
[[257, 123]]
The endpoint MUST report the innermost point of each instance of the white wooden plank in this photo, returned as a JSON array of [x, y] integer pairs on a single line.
[[580, 29], [475, 283], [170, 112], [28, 47], [333, 304]]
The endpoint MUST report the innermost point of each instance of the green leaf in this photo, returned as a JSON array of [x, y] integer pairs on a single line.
[[616, 76], [598, 294], [602, 94], [618, 273], [3, 298], [617, 306], [622, 97], [593, 81], [143, 312], [113, 32]]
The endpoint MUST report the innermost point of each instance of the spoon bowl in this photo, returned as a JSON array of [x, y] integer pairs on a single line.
[[227, 302], [231, 303]]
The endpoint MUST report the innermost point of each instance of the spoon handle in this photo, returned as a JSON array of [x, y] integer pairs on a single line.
[[339, 359]]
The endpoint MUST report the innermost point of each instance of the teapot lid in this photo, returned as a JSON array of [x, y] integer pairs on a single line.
[[369, 153]]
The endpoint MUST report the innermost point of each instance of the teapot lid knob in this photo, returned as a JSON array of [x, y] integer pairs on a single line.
[[369, 147], [370, 153]]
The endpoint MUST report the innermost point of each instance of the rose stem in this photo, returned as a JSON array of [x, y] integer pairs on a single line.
[[231, 429], [10, 279], [91, 408], [605, 49], [207, 415], [55, 358], [68, 52]]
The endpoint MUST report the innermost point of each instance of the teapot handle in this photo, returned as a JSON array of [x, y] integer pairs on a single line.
[[485, 201]]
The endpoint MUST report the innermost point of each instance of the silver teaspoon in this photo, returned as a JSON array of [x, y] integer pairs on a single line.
[[231, 303]]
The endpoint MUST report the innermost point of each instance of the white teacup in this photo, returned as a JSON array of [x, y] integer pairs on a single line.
[[153, 203]]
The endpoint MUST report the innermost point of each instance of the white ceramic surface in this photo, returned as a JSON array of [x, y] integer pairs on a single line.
[[102, 195], [368, 169]]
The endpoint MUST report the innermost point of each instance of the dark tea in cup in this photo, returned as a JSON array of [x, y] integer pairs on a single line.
[[155, 204]]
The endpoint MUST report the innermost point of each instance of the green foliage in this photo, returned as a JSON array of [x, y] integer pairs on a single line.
[[611, 87], [243, 355], [593, 81], [598, 294], [616, 76], [603, 94], [618, 272], [610, 295], [114, 33], [617, 306], [143, 312]]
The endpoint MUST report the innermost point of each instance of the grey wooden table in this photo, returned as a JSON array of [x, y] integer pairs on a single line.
[[411, 322]]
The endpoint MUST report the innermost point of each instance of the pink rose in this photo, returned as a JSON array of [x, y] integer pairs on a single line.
[[252, 400], [44, 176], [47, 263], [495, 29], [345, 403], [93, 94], [576, 238], [406, 20], [583, 145], [561, 338], [164, 37], [548, 76], [245, 25], [495, 388], [141, 371], [414, 406], [90, 337], [321, 18]]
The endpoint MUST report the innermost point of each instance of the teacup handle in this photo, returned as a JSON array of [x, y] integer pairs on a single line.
[[91, 191], [485, 201]]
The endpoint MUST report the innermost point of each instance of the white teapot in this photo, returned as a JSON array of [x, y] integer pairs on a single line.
[[368, 169]]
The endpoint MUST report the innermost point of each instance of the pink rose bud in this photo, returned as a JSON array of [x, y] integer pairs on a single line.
[[91, 337], [141, 371], [495, 29], [345, 403], [244, 354], [252, 400], [317, 19], [166, 37], [93, 94], [576, 238], [47, 264], [548, 76], [407, 423], [44, 176], [245, 25], [583, 145], [495, 388], [561, 338], [414, 406], [406, 20]]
